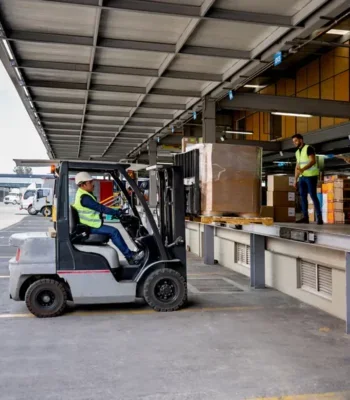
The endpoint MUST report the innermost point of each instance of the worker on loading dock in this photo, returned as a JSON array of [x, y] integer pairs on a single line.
[[90, 211], [306, 174]]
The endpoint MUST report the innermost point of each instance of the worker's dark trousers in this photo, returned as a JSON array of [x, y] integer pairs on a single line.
[[308, 185], [116, 238]]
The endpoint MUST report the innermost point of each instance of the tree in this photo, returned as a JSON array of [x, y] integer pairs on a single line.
[[22, 170]]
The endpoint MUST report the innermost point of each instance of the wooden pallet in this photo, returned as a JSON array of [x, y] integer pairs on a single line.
[[237, 220]]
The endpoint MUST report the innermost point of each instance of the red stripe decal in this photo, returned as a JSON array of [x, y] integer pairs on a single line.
[[91, 271]]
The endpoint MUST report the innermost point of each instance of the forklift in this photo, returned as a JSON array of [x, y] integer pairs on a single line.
[[72, 265]]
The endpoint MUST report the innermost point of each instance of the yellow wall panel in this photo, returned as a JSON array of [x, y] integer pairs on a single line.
[[256, 126], [326, 121], [341, 64], [327, 65], [327, 89], [290, 87], [313, 124], [301, 79], [341, 86], [313, 92], [301, 125], [303, 93], [271, 89], [340, 120], [313, 73], [290, 126], [281, 87], [249, 126], [284, 127]]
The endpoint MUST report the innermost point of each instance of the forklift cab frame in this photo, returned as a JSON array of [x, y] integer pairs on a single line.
[[86, 270]]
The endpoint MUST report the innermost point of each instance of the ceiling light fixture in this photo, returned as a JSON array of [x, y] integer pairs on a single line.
[[292, 114], [255, 86], [239, 132], [8, 49], [337, 32]]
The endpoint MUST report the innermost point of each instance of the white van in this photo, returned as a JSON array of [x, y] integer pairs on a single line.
[[12, 198], [38, 200]]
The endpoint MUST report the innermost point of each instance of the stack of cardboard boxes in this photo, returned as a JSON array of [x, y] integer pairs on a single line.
[[336, 201], [281, 197]]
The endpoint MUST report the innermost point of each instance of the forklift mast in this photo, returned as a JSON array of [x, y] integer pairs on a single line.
[[171, 213]]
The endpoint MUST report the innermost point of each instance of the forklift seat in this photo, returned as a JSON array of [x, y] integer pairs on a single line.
[[80, 234], [106, 251]]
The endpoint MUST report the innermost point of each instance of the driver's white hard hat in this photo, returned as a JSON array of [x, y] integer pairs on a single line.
[[83, 177]]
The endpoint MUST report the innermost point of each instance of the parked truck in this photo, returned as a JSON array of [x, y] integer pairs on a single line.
[[37, 201]]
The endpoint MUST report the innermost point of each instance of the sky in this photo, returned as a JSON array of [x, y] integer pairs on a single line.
[[19, 138]]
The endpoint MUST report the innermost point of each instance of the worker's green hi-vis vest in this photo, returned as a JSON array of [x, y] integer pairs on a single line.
[[86, 215], [303, 160]]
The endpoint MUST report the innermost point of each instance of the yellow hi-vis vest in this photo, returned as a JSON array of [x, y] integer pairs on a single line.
[[303, 160], [86, 215]]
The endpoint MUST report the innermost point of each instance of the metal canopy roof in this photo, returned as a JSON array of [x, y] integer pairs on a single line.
[[99, 77]]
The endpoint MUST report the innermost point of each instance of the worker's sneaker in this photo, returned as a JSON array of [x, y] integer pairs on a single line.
[[303, 220], [136, 258]]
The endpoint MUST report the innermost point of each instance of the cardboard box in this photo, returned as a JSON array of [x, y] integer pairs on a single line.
[[311, 212], [332, 178], [280, 183], [266, 212], [284, 214], [286, 199], [230, 179]]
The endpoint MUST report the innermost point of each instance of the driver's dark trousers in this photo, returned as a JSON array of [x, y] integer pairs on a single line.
[[116, 238]]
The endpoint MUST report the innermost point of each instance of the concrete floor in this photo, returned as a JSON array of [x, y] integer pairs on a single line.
[[231, 343]]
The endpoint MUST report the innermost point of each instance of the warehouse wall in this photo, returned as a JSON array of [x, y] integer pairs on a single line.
[[327, 78], [281, 267]]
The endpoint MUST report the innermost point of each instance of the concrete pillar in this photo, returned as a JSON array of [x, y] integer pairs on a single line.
[[152, 156], [257, 261], [209, 120]]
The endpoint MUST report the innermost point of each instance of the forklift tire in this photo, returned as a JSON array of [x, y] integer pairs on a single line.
[[46, 211], [32, 211], [165, 290], [46, 298]]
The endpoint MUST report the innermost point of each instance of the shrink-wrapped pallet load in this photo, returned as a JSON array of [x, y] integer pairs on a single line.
[[230, 179]]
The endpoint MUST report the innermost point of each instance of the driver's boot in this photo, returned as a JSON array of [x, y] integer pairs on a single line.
[[136, 258]]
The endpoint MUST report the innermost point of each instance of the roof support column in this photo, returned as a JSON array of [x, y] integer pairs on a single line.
[[209, 120], [209, 136], [347, 293], [152, 156]]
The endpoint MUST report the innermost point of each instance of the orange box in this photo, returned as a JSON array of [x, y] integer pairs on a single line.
[[327, 188]]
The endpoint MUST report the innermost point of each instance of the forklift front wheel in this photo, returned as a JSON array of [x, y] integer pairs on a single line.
[[165, 290], [46, 298]]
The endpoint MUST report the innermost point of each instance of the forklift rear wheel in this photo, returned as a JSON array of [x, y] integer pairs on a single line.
[[46, 211], [165, 290], [32, 211], [46, 298]]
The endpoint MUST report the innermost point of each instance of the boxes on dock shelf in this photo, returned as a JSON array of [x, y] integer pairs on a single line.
[[275, 199], [284, 214], [230, 179], [281, 196], [280, 183], [336, 201]]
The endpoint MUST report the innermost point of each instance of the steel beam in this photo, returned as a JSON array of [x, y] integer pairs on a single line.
[[216, 52], [59, 99], [107, 113], [164, 106], [152, 116], [322, 135], [175, 92], [334, 145], [317, 107], [141, 124], [136, 45], [118, 89], [250, 17], [66, 111], [195, 76], [184, 10], [56, 85]]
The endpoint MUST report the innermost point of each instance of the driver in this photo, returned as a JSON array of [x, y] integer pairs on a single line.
[[90, 214]]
